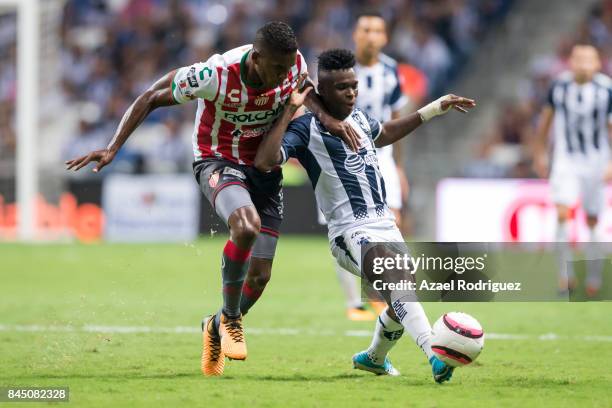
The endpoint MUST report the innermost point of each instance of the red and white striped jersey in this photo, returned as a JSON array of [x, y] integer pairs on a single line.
[[232, 117]]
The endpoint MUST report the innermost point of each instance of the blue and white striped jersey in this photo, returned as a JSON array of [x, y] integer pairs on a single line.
[[380, 93], [582, 115], [348, 186]]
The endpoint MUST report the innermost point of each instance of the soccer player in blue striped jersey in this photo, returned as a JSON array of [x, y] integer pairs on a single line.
[[350, 191], [579, 109], [380, 96]]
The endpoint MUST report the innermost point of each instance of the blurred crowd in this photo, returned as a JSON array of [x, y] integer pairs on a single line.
[[8, 37], [113, 50], [508, 148]]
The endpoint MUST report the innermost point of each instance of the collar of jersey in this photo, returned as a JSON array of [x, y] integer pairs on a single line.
[[244, 69]]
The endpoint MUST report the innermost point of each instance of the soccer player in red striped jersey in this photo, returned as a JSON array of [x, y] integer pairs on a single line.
[[240, 94]]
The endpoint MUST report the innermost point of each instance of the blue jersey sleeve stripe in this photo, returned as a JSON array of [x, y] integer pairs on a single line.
[[284, 154], [550, 96]]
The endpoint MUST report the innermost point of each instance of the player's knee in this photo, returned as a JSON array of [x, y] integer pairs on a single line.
[[563, 213], [259, 273], [261, 279], [244, 226], [592, 221]]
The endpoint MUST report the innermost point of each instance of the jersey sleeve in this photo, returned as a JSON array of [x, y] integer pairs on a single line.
[[397, 100], [199, 80], [610, 104], [375, 126], [296, 138], [550, 96], [301, 64]]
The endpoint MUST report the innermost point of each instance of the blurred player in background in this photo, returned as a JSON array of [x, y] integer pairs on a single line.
[[240, 93], [381, 97], [349, 189], [579, 109]]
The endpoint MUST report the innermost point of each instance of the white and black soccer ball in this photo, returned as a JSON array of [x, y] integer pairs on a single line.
[[457, 339]]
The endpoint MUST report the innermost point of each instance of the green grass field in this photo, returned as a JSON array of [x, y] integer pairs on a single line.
[[299, 348]]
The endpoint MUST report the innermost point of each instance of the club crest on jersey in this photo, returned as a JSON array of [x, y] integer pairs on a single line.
[[213, 180], [261, 100], [357, 117]]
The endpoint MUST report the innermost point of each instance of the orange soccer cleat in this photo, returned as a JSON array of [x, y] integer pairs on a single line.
[[378, 306], [359, 314], [213, 360], [233, 344]]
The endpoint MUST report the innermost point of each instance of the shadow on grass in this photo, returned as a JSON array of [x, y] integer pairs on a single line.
[[298, 377], [124, 376]]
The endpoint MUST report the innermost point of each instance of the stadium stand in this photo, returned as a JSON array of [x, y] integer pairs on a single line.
[[112, 50], [507, 148]]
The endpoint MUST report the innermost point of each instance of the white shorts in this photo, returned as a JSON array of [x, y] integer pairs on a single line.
[[393, 187], [346, 248], [568, 186]]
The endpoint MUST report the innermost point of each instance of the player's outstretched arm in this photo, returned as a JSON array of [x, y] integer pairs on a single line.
[[268, 154], [159, 94], [336, 127], [394, 130], [540, 152]]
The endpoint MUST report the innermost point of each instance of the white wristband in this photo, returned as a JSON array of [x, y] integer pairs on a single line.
[[433, 109]]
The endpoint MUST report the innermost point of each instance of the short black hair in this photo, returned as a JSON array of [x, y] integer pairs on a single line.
[[337, 58], [277, 36], [369, 13]]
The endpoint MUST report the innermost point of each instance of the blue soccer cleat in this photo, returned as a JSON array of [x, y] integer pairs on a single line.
[[362, 361], [441, 371]]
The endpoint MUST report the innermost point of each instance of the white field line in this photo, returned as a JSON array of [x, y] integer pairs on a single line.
[[90, 328]]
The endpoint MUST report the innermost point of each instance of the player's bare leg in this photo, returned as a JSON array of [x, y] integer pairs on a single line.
[[594, 257], [258, 276], [567, 280]]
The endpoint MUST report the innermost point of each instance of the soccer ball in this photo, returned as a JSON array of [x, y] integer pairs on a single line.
[[457, 339]]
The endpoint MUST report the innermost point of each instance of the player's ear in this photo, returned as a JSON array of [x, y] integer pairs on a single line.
[[255, 55], [385, 39]]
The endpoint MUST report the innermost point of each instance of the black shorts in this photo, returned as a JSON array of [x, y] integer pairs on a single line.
[[265, 189]]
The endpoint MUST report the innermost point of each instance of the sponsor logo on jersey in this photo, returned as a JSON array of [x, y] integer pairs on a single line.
[[230, 171], [252, 116], [393, 335], [400, 312], [249, 133], [192, 78], [370, 159], [355, 163]]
